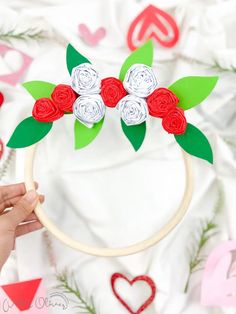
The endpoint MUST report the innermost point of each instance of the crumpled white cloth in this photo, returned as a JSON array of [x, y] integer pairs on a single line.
[[106, 194]]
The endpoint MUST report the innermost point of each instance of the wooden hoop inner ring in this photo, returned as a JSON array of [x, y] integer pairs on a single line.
[[111, 252]]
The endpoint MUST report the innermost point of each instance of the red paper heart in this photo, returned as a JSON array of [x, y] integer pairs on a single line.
[[146, 279], [153, 23], [22, 293]]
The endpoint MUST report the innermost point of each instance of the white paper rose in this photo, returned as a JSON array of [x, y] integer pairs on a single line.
[[133, 110], [85, 79], [140, 80], [89, 109]]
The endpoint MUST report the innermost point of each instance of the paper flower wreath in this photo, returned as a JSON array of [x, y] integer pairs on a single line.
[[136, 94]]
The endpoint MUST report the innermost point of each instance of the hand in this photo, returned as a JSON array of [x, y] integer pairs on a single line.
[[19, 220]]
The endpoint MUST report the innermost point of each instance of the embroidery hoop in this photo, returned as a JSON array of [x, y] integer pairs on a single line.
[[111, 252]]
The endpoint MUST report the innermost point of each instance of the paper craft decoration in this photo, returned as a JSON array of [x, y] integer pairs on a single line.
[[136, 95], [28, 297], [153, 23], [219, 279], [14, 77], [145, 279], [1, 99], [89, 37]]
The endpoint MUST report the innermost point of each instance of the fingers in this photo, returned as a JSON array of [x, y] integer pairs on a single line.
[[13, 201], [27, 228], [31, 217], [11, 192], [21, 210]]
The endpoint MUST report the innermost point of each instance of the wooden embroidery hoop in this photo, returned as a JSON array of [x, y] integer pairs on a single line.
[[111, 252]]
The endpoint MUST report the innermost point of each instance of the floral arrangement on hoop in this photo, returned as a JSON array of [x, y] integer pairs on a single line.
[[136, 95]]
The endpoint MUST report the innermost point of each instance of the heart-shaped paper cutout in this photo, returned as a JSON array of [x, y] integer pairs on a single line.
[[153, 23], [14, 77], [22, 293], [90, 38], [219, 280], [145, 279]]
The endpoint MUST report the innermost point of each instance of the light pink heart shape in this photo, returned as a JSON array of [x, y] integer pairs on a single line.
[[90, 38], [219, 281], [14, 78]]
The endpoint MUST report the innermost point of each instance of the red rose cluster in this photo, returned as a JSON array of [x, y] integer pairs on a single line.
[[162, 103], [49, 110]]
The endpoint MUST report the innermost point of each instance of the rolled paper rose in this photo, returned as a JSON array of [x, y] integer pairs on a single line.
[[133, 110], [1, 99], [161, 101], [64, 97], [140, 80], [85, 79], [89, 109], [112, 91], [175, 122], [45, 110]]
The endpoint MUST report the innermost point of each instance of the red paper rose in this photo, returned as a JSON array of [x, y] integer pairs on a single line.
[[64, 97], [175, 122], [1, 99], [45, 110], [112, 91], [161, 101]]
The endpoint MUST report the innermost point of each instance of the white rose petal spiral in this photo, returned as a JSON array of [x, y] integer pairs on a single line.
[[89, 109], [133, 110], [85, 79], [140, 80]]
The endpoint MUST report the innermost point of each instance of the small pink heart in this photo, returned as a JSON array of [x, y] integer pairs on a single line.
[[219, 282], [90, 38]]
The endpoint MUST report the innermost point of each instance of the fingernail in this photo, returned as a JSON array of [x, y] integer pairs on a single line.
[[41, 198], [31, 196]]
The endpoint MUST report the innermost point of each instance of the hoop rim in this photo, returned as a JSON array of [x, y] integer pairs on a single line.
[[103, 251]]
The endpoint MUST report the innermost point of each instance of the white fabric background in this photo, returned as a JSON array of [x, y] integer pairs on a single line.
[[106, 194]]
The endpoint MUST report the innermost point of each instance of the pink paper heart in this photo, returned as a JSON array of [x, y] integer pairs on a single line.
[[14, 78], [219, 281], [90, 38]]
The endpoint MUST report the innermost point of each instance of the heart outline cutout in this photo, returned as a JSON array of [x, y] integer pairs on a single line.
[[131, 282], [153, 16], [90, 38]]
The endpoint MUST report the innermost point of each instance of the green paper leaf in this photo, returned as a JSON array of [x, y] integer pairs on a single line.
[[194, 142], [192, 90], [74, 58], [85, 135], [29, 132], [135, 134], [39, 89], [143, 55]]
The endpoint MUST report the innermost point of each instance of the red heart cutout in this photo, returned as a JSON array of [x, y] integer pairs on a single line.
[[146, 279], [153, 23]]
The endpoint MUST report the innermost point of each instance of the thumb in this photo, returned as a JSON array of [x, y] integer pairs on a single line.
[[23, 208]]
